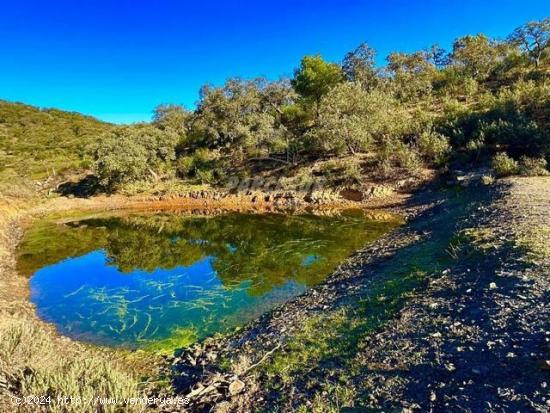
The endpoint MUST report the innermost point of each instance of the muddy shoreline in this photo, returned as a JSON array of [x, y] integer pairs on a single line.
[[196, 370], [18, 214], [444, 349], [435, 352]]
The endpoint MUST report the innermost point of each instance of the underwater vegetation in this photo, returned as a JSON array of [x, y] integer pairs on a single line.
[[165, 280]]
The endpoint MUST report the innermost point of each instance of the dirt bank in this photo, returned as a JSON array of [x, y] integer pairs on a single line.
[[31, 358], [450, 313]]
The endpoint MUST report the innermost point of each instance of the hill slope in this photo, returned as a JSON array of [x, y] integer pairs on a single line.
[[37, 143]]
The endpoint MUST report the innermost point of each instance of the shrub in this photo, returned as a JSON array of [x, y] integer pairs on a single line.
[[397, 157], [533, 166], [204, 165], [184, 166], [132, 154], [433, 146], [503, 165], [407, 158], [30, 365], [487, 179], [205, 176], [342, 171]]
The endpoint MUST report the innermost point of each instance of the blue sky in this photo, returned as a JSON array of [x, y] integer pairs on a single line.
[[118, 59]]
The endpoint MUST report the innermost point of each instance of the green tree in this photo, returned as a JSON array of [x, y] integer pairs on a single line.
[[412, 74], [358, 66], [315, 77], [438, 56], [352, 119], [134, 153], [534, 39], [475, 55], [171, 117], [240, 118]]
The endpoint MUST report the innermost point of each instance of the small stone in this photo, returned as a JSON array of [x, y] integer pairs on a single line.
[[433, 397], [236, 387], [492, 286], [544, 364], [436, 334]]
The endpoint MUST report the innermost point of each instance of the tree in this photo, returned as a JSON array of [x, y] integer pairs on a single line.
[[533, 38], [475, 55], [352, 119], [315, 77], [438, 56], [170, 116], [134, 153], [412, 74], [281, 97], [358, 66], [278, 94], [237, 118]]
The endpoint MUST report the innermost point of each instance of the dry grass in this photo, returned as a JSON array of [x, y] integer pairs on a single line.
[[34, 360], [31, 364]]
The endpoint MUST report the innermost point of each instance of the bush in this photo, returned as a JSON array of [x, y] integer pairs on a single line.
[[503, 165], [132, 154], [407, 158], [433, 146], [203, 164], [205, 176], [184, 167], [532, 166], [395, 154], [342, 171], [30, 364]]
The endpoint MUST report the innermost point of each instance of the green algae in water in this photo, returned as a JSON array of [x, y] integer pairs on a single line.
[[161, 281]]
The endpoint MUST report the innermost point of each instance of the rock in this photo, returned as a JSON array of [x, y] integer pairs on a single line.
[[492, 286], [352, 194], [236, 387]]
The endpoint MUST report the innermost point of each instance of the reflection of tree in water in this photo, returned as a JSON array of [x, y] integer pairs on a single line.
[[267, 250]]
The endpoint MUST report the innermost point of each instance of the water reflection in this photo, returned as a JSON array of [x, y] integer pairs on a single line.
[[164, 280]]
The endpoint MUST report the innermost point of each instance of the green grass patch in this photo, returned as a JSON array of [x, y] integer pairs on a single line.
[[328, 344]]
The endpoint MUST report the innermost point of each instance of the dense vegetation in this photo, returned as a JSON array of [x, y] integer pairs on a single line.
[[485, 103], [40, 143]]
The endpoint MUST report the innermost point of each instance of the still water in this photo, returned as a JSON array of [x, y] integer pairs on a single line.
[[163, 280]]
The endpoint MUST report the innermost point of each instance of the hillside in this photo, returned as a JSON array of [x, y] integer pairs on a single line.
[[37, 143]]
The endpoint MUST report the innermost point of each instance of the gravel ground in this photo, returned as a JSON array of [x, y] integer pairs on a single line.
[[482, 328], [474, 337]]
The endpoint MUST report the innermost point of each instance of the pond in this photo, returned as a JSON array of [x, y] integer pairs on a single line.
[[163, 280]]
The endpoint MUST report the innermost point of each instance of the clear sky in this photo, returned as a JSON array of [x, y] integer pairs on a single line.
[[118, 59]]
